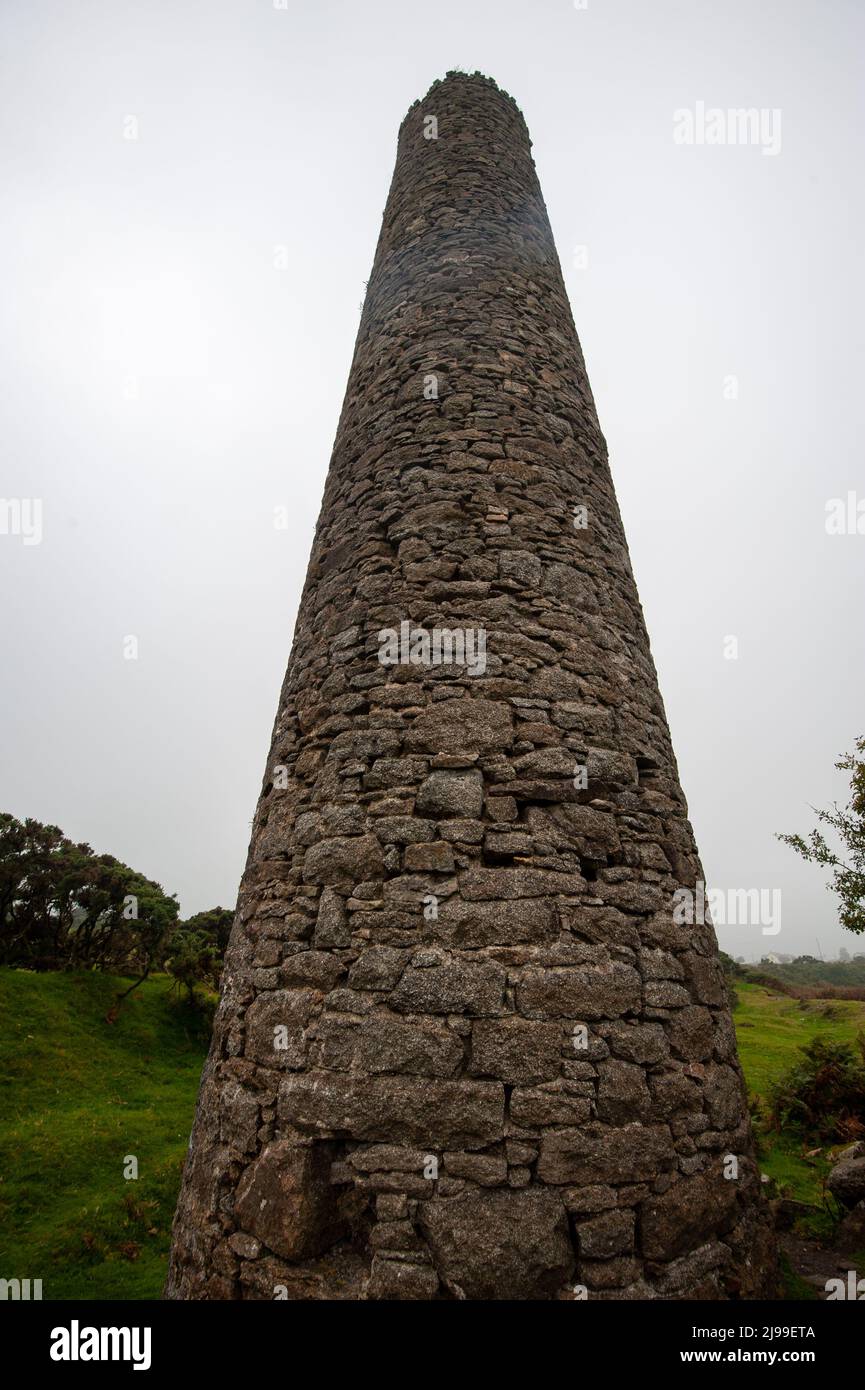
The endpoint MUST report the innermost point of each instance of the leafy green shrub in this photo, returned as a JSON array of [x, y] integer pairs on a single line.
[[193, 958], [823, 1096]]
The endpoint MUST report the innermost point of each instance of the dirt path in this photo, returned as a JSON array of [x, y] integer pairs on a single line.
[[817, 1264]]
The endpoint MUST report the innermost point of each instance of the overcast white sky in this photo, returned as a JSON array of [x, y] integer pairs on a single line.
[[169, 376]]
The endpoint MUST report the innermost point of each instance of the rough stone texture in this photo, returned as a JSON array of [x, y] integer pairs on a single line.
[[286, 1200], [847, 1179], [464, 1049], [499, 1245]]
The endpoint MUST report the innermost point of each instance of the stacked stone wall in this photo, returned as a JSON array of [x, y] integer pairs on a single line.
[[466, 1048]]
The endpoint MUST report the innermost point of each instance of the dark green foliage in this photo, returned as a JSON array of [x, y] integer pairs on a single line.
[[807, 970], [822, 1097], [193, 958], [194, 951], [216, 924], [62, 907]]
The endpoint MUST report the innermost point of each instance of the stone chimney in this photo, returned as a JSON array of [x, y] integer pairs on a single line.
[[472, 1042]]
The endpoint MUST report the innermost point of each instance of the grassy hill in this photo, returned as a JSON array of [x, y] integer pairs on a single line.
[[77, 1095]]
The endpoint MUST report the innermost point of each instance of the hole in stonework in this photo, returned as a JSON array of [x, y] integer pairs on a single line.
[[647, 768], [356, 1210]]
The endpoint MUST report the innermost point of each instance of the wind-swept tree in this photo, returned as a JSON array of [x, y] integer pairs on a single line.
[[62, 907], [848, 823]]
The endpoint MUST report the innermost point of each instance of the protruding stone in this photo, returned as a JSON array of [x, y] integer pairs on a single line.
[[500, 1245], [603, 1154], [436, 858], [516, 1051], [670, 1222], [469, 725], [341, 863], [286, 1200], [275, 1026], [331, 925], [451, 794], [402, 1279], [605, 990], [442, 983], [611, 1233], [413, 1111], [386, 1043]]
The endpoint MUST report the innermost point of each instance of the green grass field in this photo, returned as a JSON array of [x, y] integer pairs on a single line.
[[78, 1095], [771, 1028]]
